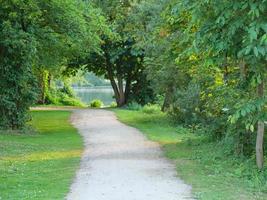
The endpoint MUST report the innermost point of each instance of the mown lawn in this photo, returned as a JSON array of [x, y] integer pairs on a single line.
[[40, 165], [203, 164]]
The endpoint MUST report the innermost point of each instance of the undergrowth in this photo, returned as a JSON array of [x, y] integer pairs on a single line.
[[209, 166]]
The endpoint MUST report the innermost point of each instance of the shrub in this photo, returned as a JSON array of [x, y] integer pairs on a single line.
[[96, 103], [52, 97], [186, 105], [151, 109], [67, 90], [134, 106], [58, 97], [70, 101], [113, 104], [18, 85]]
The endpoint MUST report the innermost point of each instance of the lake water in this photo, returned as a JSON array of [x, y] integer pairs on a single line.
[[87, 94]]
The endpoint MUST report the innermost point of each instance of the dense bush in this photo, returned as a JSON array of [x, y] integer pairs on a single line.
[[96, 103], [62, 97], [186, 104], [17, 82], [67, 90], [113, 104], [52, 97], [151, 109], [70, 101], [134, 106], [142, 91]]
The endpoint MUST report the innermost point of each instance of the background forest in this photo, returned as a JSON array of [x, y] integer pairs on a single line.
[[202, 62]]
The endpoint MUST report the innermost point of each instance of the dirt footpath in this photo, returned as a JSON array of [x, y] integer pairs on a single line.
[[119, 163]]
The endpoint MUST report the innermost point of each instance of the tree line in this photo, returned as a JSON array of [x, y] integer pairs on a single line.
[[204, 61], [208, 59]]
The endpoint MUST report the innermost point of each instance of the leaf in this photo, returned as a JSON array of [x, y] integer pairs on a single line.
[[257, 13], [248, 49], [243, 113], [264, 27], [256, 52], [261, 51], [252, 34], [259, 80], [251, 128], [232, 120]]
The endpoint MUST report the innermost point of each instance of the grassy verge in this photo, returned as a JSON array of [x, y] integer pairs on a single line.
[[200, 162], [40, 166], [61, 106]]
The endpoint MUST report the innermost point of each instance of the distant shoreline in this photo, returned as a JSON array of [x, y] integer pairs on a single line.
[[92, 87]]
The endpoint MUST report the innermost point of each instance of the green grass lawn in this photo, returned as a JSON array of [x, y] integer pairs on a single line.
[[200, 162], [41, 165]]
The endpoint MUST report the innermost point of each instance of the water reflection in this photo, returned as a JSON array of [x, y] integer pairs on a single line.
[[87, 94]]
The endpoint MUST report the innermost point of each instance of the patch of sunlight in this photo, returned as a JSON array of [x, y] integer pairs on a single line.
[[42, 156]]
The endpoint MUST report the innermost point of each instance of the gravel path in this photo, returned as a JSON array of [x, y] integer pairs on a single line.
[[119, 163]]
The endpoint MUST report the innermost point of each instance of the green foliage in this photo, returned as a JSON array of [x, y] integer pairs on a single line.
[[134, 106], [96, 103], [90, 79], [37, 37], [17, 82], [249, 113], [113, 104], [207, 58], [67, 90], [151, 109], [70, 101], [186, 105], [53, 97], [62, 96], [118, 58], [142, 91]]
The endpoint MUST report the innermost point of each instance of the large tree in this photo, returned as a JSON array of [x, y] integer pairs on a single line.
[[37, 35], [118, 59]]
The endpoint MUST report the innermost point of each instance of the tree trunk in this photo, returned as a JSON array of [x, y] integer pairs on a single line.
[[42, 82], [118, 91], [165, 103], [259, 145], [121, 92], [167, 99], [117, 88], [127, 88], [111, 78], [260, 133]]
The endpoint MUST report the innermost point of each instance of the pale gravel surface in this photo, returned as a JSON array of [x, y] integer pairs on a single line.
[[63, 108], [119, 163]]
